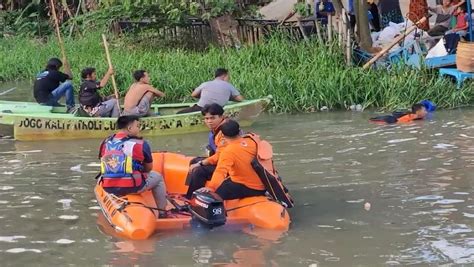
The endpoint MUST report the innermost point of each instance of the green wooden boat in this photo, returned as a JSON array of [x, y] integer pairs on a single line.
[[29, 121]]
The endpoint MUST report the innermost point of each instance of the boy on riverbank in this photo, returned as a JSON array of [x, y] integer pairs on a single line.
[[462, 22], [445, 13], [89, 96]]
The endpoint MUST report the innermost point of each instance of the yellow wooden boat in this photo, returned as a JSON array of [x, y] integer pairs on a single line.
[[28, 121]]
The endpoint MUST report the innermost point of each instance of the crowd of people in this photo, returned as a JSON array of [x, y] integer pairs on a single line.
[[227, 170], [451, 15]]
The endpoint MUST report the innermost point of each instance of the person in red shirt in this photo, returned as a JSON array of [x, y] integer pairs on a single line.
[[112, 152], [234, 177], [462, 22]]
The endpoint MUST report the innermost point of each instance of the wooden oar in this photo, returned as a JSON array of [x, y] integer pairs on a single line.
[[109, 61], [58, 33]]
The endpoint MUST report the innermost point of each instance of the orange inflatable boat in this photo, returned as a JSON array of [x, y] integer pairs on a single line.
[[134, 216]]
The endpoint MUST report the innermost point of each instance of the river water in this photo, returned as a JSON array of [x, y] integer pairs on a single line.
[[417, 179]]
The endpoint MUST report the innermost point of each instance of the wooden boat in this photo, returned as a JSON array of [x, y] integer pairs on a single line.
[[30, 121], [134, 217]]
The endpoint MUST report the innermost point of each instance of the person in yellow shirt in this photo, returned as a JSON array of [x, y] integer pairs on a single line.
[[234, 177]]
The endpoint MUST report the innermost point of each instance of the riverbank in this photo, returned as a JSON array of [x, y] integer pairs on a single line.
[[301, 76]]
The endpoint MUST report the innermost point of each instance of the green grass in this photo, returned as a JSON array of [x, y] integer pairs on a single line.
[[301, 76]]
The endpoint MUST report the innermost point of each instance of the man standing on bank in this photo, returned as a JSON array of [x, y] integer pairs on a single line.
[[218, 91]]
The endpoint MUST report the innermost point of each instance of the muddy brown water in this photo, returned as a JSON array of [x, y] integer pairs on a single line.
[[417, 178]]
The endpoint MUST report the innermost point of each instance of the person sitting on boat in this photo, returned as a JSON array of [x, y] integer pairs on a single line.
[[140, 95], [201, 169], [127, 162], [443, 20], [324, 9], [89, 97], [51, 84], [418, 112], [234, 177], [218, 91]]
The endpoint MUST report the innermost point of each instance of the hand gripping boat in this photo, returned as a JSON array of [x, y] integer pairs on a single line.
[[134, 216]]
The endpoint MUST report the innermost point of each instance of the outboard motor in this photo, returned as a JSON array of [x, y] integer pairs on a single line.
[[208, 208]]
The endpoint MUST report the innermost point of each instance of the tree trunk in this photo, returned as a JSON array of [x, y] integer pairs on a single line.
[[363, 31], [224, 29], [338, 6]]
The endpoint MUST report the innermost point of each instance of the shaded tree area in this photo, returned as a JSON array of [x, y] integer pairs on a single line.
[[31, 17]]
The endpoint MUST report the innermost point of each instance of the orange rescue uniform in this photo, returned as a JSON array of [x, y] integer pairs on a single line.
[[235, 161], [407, 118]]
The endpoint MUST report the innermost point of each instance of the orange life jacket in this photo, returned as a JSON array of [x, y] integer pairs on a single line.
[[263, 166], [121, 165]]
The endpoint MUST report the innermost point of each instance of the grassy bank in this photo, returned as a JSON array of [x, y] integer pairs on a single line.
[[301, 77]]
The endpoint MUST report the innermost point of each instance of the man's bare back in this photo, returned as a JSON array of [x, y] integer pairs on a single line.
[[135, 93], [140, 95]]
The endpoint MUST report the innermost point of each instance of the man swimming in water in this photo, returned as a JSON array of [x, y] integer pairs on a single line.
[[418, 112]]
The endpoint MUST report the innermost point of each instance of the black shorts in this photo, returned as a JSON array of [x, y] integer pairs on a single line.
[[232, 190], [198, 177]]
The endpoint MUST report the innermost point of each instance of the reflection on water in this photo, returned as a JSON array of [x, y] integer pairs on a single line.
[[417, 179], [16, 91]]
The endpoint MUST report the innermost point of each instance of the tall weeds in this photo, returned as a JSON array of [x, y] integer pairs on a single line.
[[301, 76]]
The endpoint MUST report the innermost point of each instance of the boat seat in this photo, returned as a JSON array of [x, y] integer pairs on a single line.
[[457, 74]]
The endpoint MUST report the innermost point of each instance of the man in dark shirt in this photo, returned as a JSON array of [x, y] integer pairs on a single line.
[[51, 84], [89, 97]]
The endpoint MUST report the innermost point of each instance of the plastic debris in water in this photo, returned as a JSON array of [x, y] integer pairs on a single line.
[[367, 206], [357, 107], [76, 168]]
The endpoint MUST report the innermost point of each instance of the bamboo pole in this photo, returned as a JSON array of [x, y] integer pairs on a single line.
[[74, 21], [329, 25], [109, 61], [318, 31], [344, 27], [392, 44], [58, 33], [349, 47], [340, 31]]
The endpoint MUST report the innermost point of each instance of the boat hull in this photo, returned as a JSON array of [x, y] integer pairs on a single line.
[[53, 124], [137, 220]]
